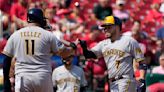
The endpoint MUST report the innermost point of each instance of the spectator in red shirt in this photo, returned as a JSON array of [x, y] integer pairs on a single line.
[[49, 14], [95, 35], [5, 6], [3, 41], [154, 15], [77, 14], [19, 13]]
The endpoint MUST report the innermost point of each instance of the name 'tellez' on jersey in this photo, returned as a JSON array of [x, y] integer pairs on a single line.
[[32, 47]]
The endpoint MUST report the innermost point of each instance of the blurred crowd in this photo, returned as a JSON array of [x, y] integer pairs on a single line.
[[72, 19]]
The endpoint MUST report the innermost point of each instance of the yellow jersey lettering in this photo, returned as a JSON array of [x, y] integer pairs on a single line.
[[113, 52], [30, 34]]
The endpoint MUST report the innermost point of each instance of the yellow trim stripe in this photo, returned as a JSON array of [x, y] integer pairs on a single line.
[[8, 54], [61, 81], [140, 59], [127, 86]]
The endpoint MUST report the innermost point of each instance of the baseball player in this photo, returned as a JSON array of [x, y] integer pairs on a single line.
[[119, 52], [69, 77], [32, 47]]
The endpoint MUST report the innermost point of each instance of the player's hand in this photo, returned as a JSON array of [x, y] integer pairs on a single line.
[[73, 45], [83, 44], [142, 81], [7, 86], [142, 86]]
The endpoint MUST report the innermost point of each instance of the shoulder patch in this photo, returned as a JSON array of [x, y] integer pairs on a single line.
[[138, 51], [59, 43]]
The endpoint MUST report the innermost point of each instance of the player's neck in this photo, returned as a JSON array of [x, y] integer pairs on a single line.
[[68, 67], [33, 24], [116, 37]]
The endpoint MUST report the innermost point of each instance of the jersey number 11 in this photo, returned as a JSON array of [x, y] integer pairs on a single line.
[[30, 47]]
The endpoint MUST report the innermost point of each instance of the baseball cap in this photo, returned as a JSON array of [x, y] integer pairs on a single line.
[[111, 20]]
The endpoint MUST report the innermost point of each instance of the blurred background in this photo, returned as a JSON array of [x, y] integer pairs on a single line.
[[72, 19]]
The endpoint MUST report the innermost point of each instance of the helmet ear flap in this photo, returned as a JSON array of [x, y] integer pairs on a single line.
[[28, 19], [43, 23]]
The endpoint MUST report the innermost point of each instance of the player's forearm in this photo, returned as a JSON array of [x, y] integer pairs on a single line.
[[143, 68], [65, 42], [6, 67], [70, 44], [89, 54]]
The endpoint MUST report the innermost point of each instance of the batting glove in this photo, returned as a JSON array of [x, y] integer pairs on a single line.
[[83, 44]]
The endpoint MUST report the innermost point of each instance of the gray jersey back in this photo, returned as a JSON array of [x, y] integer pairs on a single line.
[[119, 55], [32, 46]]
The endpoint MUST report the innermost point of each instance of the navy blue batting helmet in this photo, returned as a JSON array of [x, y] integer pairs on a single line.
[[36, 15]]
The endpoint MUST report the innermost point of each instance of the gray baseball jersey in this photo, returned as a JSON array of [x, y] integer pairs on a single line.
[[32, 47], [119, 55], [68, 80]]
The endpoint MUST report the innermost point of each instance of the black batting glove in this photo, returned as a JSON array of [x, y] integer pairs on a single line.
[[83, 44], [142, 81], [143, 85], [73, 45]]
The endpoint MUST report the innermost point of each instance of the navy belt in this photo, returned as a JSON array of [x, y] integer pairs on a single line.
[[114, 79]]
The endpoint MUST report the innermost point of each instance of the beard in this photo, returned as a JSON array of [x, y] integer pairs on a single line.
[[108, 35]]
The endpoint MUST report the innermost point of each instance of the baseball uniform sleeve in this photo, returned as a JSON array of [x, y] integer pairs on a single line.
[[98, 49], [136, 51], [56, 45], [9, 48]]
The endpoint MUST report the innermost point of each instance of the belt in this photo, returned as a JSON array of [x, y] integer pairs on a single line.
[[121, 77], [116, 78]]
